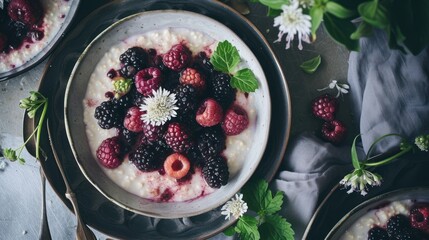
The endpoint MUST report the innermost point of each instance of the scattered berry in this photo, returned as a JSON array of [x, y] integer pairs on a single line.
[[221, 89], [177, 138], [146, 158], [177, 58], [235, 121], [419, 217], [186, 97], [215, 172], [324, 107], [334, 131], [147, 80], [133, 60], [28, 12], [108, 153], [377, 233], [133, 120], [194, 78], [211, 142], [209, 113], [177, 165], [109, 115], [152, 133]]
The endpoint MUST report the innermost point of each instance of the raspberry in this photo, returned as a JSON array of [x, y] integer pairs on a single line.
[[209, 113], [186, 97], [3, 41], [419, 217], [133, 60], [334, 131], [109, 115], [235, 121], [147, 80], [211, 142], [152, 132], [324, 107], [28, 12], [108, 153], [194, 78], [221, 89], [377, 233], [133, 120], [146, 158], [215, 172], [177, 165], [177, 58], [177, 138]]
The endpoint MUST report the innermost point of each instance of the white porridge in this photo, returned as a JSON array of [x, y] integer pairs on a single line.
[[154, 185], [53, 18]]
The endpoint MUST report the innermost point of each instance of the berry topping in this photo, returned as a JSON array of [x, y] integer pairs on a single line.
[[109, 115], [177, 58], [221, 89], [203, 62], [133, 60], [235, 121], [177, 138], [152, 132], [108, 153], [133, 120], [334, 131], [419, 217], [194, 78], [209, 113], [147, 80], [324, 107], [194, 155], [28, 12], [17, 32], [177, 165], [186, 96], [397, 225], [128, 137], [211, 142], [215, 172], [377, 233], [146, 158]]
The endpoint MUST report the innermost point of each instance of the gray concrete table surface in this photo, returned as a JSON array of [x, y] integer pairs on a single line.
[[20, 187]]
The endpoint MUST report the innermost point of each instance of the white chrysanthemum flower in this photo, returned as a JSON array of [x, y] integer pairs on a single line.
[[306, 3], [359, 180], [235, 207], [293, 22], [159, 108], [342, 88]]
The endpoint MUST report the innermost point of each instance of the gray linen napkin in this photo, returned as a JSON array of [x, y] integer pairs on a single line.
[[390, 94]]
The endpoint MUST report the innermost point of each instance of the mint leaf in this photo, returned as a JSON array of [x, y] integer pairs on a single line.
[[247, 228], [316, 14], [225, 57], [274, 4], [244, 80], [260, 199], [338, 10], [374, 13], [363, 30], [276, 228], [340, 30], [311, 65], [230, 231]]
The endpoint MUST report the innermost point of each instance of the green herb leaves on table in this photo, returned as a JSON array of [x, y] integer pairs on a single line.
[[225, 58], [310, 66]]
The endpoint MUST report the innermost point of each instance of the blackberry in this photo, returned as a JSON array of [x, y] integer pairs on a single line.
[[128, 136], [137, 98], [171, 80], [146, 158], [211, 142], [377, 233], [133, 60], [215, 172], [124, 102], [17, 32], [221, 89], [186, 97], [109, 115], [194, 155], [398, 225], [188, 120], [202, 62]]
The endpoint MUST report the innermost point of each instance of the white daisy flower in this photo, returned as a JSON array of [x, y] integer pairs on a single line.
[[293, 22], [359, 180], [159, 108], [235, 207], [342, 88]]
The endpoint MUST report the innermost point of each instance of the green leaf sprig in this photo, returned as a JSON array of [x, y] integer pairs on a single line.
[[267, 224], [311, 65], [225, 59], [32, 104]]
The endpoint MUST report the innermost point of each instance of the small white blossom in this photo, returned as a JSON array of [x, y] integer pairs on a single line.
[[359, 180], [306, 3], [293, 22], [159, 108], [342, 88], [235, 207]]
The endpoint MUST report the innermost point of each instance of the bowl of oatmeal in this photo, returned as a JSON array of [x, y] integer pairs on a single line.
[[29, 29], [400, 214], [154, 126]]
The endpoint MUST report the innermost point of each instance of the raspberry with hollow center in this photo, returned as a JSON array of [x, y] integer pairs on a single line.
[[334, 131], [194, 78], [235, 121], [108, 153], [177, 165], [133, 120], [177, 58], [147, 80], [325, 107], [209, 113], [419, 217]]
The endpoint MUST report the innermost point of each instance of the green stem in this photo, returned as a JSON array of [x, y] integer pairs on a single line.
[[372, 147], [26, 141], [374, 164], [39, 129]]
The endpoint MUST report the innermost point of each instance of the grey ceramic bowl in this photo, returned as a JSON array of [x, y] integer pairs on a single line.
[[75, 127], [413, 194]]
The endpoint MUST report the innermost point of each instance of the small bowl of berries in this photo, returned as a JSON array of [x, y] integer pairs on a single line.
[[168, 113], [399, 214]]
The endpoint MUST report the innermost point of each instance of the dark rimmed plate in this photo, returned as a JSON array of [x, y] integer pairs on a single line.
[[97, 211]]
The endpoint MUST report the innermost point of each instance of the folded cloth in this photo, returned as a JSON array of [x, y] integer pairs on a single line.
[[390, 94]]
